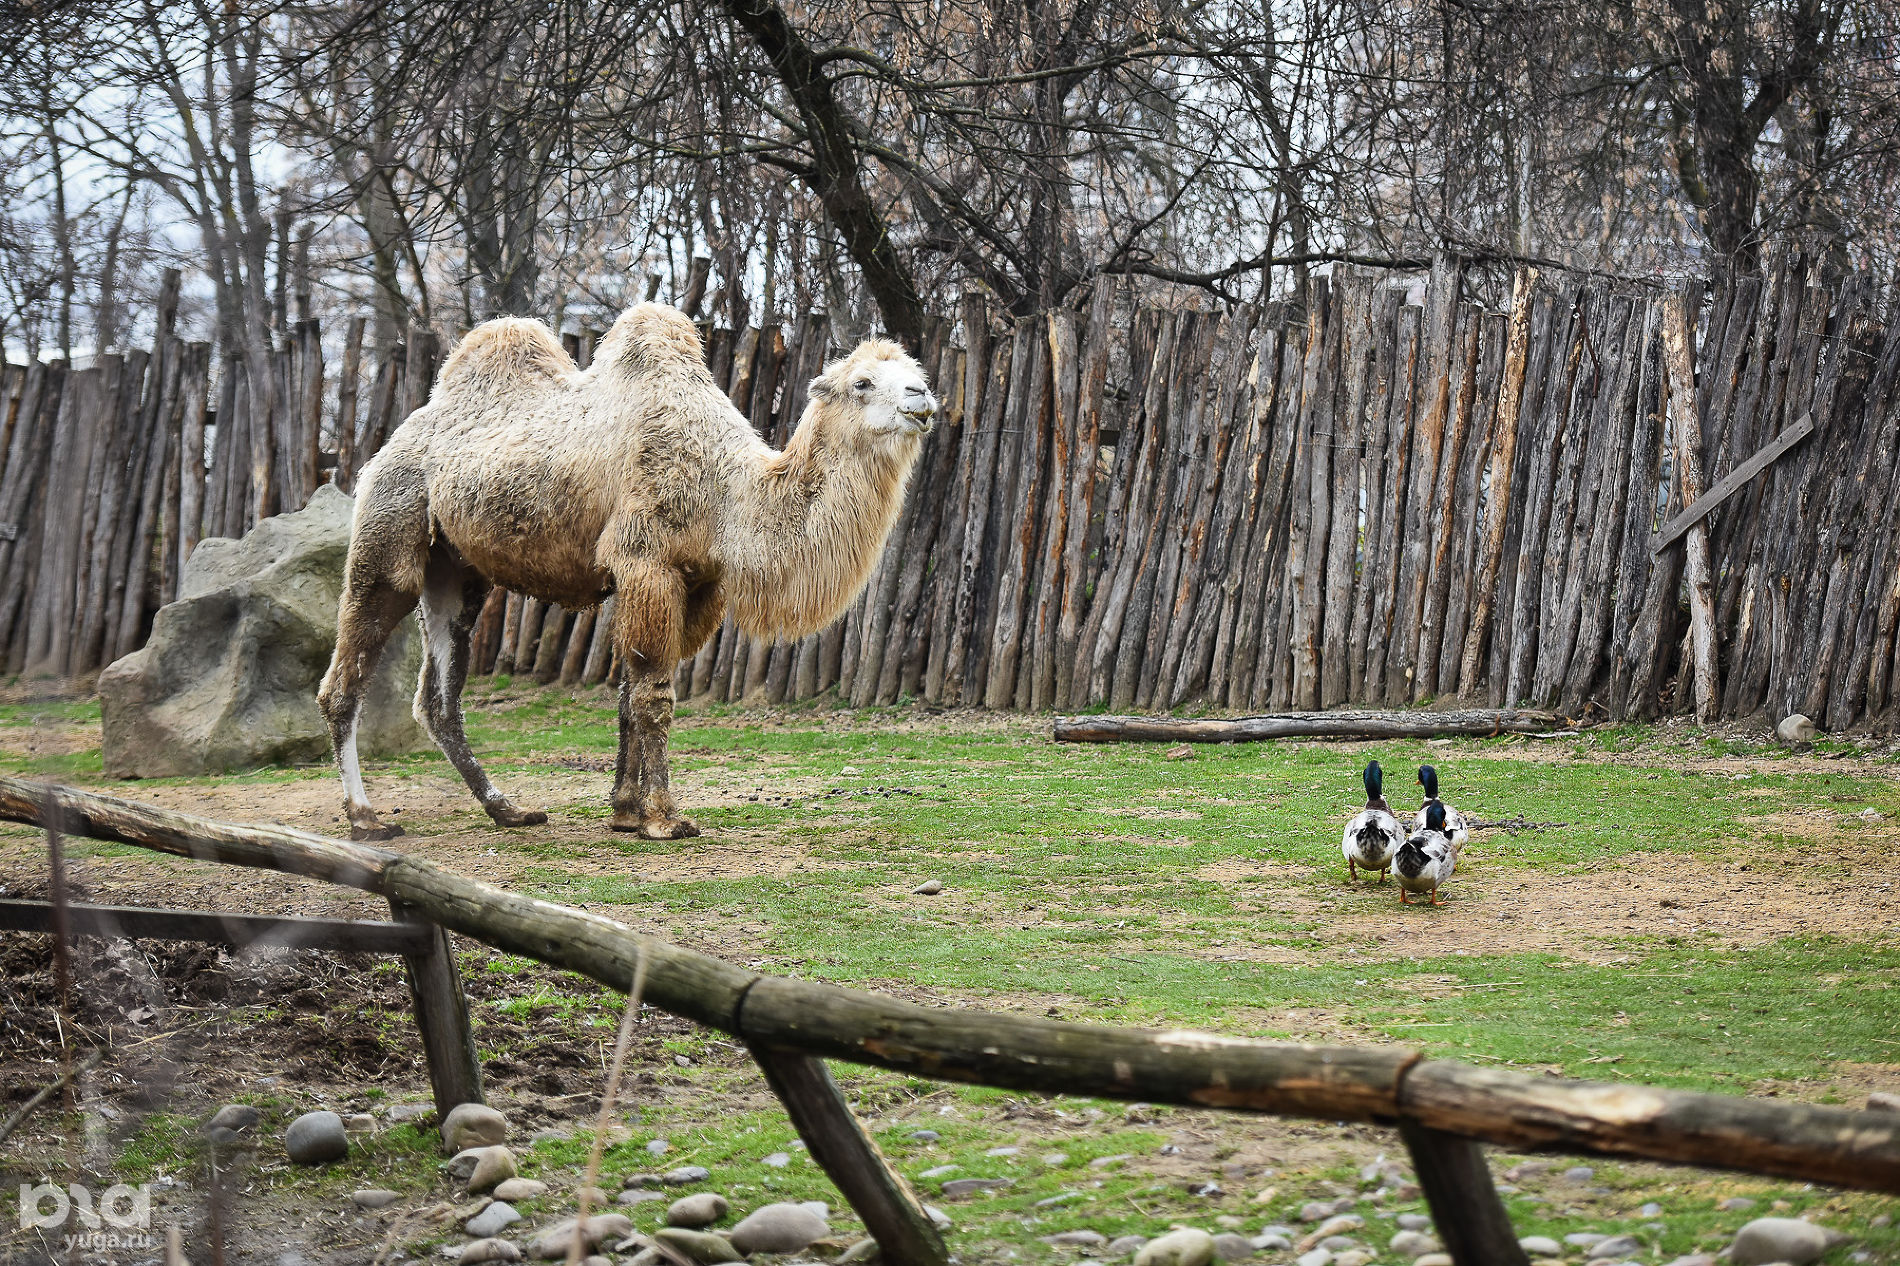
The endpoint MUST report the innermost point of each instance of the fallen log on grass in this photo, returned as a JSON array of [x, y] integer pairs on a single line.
[[1474, 722], [1384, 1084]]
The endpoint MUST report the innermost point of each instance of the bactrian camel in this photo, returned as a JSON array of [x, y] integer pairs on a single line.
[[635, 477]]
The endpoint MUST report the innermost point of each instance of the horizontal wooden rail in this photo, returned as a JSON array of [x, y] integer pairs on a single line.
[[1343, 725], [361, 935], [1841, 1146]]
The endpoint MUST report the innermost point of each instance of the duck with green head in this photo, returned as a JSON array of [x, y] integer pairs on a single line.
[[1456, 829], [1427, 858], [1374, 834]]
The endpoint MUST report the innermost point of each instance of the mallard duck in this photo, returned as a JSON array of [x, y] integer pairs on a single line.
[[1455, 828], [1427, 858], [1375, 833]]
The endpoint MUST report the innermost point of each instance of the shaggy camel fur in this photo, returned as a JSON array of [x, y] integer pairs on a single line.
[[636, 477]]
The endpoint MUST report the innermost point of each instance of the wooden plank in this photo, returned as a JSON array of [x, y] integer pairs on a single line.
[[291, 931], [1344, 725], [1679, 356], [1733, 482], [1466, 1208], [835, 1139], [441, 1010]]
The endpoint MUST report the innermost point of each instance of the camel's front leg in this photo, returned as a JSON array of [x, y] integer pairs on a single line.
[[649, 622], [643, 795]]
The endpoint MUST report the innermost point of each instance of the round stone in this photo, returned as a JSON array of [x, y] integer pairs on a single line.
[[779, 1228], [490, 1251], [1541, 1246], [234, 1117], [473, 1125], [1186, 1247], [702, 1246], [493, 1220], [520, 1189], [1232, 1248], [700, 1209], [375, 1198], [1413, 1222], [685, 1175], [317, 1138], [1782, 1240], [493, 1166], [1411, 1244]]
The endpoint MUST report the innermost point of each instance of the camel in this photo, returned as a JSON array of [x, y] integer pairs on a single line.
[[635, 477]]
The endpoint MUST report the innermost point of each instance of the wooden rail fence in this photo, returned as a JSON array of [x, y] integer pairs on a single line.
[[1358, 499], [1442, 1108]]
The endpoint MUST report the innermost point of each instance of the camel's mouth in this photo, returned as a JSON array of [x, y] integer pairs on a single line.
[[922, 419]]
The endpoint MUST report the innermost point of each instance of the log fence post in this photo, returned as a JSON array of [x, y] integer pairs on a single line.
[[435, 989], [1466, 1209]]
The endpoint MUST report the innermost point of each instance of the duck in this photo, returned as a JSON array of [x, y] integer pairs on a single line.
[[1427, 858], [1457, 830], [1375, 833]]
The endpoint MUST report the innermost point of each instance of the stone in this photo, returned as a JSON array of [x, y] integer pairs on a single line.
[[1338, 1224], [473, 1125], [1338, 1244], [1617, 1246], [1110, 1162], [553, 1242], [957, 1188], [938, 1218], [778, 1160], [1782, 1240], [923, 1136], [864, 1250], [1541, 1246], [493, 1166], [1318, 1257], [359, 1123], [1004, 1151], [1320, 1210], [658, 1147], [400, 1112], [317, 1138], [228, 678], [641, 1180], [1413, 1222], [1232, 1248], [490, 1251], [700, 1209], [375, 1197], [1065, 1197], [938, 1171], [1736, 1204], [232, 1116], [1579, 1173], [1433, 1259], [520, 1189], [493, 1220], [1882, 1101], [1526, 1169], [1650, 1210], [1268, 1243], [1411, 1244], [1076, 1239], [1795, 729], [702, 1246], [1125, 1245], [928, 888], [1693, 1259], [1585, 1239], [1186, 1247], [638, 1195], [1353, 1257], [780, 1228], [685, 1175]]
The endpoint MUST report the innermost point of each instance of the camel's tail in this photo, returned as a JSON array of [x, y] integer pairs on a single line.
[[501, 355]]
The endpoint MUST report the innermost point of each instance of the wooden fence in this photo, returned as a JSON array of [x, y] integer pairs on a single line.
[[1442, 1108], [1360, 499]]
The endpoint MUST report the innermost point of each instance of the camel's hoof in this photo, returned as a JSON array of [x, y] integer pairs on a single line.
[[656, 828], [375, 831], [508, 815]]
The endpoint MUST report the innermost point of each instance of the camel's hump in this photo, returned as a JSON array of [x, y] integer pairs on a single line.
[[652, 336], [504, 353]]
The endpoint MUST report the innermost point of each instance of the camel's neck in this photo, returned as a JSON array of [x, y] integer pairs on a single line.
[[808, 527]]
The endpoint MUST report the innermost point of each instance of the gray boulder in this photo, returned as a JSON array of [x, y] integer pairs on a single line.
[[778, 1228], [317, 1138], [228, 679], [1782, 1240]]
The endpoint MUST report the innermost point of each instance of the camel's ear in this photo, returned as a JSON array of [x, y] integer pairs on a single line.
[[822, 388]]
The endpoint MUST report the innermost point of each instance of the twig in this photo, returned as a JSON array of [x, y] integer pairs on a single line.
[[65, 1078], [622, 1041]]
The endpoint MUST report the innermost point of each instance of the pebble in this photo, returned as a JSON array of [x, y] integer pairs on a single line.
[[1186, 1247], [491, 1251], [1109, 1162], [1232, 1248], [1126, 1245], [1353, 1257], [1579, 1173], [316, 1138], [702, 1246], [1066, 1197], [863, 1251], [638, 1195], [925, 1136], [1781, 1240], [938, 1218], [1052, 1159], [1616, 1247], [520, 1189], [1410, 1244], [400, 1112], [233, 1117], [957, 1188], [1338, 1224], [928, 888], [1881, 1219], [1413, 1222], [1339, 1244], [493, 1166], [553, 1242], [375, 1197], [1736, 1204], [1266, 1243], [359, 1123], [1694, 1259], [1076, 1239], [1433, 1259], [1526, 1169], [1584, 1239], [701, 1209], [1318, 1257], [640, 1180], [1320, 1210], [1004, 1151], [473, 1125], [658, 1147], [685, 1176], [1541, 1246], [1650, 1210], [496, 1218], [938, 1171]]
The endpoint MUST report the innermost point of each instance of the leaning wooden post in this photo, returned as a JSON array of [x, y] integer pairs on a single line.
[[903, 1231], [1696, 563], [435, 988], [1466, 1210]]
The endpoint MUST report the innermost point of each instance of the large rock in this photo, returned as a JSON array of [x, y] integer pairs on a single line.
[[228, 679], [1782, 1240]]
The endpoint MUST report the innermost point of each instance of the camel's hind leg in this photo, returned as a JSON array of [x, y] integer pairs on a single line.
[[452, 595], [649, 625], [369, 613]]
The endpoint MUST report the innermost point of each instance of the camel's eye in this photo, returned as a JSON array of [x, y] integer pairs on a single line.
[[862, 384]]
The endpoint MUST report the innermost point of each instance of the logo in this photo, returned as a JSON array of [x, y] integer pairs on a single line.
[[120, 1218]]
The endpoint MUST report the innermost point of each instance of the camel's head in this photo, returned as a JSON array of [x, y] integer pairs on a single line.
[[880, 388]]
